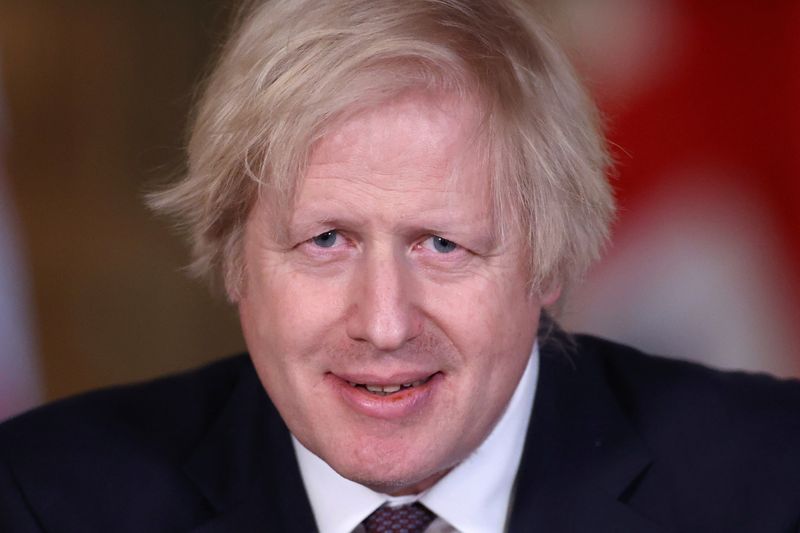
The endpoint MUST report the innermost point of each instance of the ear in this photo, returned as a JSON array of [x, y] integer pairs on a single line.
[[550, 296]]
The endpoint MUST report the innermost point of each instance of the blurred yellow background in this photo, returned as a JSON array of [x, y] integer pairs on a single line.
[[97, 95]]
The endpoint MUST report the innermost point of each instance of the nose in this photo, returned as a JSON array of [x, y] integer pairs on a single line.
[[383, 308]]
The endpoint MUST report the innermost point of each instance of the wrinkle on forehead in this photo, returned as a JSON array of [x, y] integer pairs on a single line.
[[388, 140]]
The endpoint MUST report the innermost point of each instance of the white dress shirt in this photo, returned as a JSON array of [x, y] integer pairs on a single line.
[[474, 497]]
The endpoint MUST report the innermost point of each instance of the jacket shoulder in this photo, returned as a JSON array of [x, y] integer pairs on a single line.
[[169, 407], [692, 393], [114, 446], [726, 442]]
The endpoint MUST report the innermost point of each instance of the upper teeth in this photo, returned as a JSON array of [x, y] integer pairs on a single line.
[[388, 389], [385, 388]]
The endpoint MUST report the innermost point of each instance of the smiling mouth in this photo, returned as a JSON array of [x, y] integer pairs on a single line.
[[386, 390]]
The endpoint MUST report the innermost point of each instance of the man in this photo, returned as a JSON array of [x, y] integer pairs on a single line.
[[392, 192]]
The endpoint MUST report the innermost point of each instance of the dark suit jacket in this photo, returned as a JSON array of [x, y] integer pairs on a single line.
[[618, 441]]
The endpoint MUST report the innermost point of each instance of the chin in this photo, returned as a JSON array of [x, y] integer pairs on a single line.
[[394, 472], [395, 484]]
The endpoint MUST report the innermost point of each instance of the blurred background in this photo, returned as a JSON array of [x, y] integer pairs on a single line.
[[700, 102]]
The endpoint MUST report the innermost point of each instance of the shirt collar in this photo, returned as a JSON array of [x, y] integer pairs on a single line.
[[474, 496]]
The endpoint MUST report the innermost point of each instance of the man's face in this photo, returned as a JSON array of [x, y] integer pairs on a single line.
[[388, 322]]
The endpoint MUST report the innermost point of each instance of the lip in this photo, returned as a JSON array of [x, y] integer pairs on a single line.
[[397, 378], [401, 404]]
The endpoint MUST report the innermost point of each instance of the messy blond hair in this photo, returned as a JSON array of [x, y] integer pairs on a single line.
[[292, 67]]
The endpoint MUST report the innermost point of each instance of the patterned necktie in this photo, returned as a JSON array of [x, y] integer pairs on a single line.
[[411, 518]]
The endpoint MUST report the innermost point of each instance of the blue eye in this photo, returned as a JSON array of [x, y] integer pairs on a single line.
[[442, 245], [325, 240]]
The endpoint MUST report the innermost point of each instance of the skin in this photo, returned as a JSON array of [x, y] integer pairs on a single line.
[[360, 286]]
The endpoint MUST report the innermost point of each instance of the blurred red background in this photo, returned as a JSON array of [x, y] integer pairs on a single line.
[[700, 99]]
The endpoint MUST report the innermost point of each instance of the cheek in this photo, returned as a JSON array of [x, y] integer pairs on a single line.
[[289, 313], [490, 313]]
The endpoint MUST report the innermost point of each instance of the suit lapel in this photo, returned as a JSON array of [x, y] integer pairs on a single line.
[[246, 468], [581, 456]]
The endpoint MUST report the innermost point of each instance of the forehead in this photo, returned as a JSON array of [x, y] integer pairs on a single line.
[[418, 119], [415, 142]]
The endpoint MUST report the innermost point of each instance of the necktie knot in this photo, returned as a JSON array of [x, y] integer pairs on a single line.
[[411, 518]]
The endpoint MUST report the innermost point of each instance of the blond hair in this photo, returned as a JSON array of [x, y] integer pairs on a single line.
[[292, 67]]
